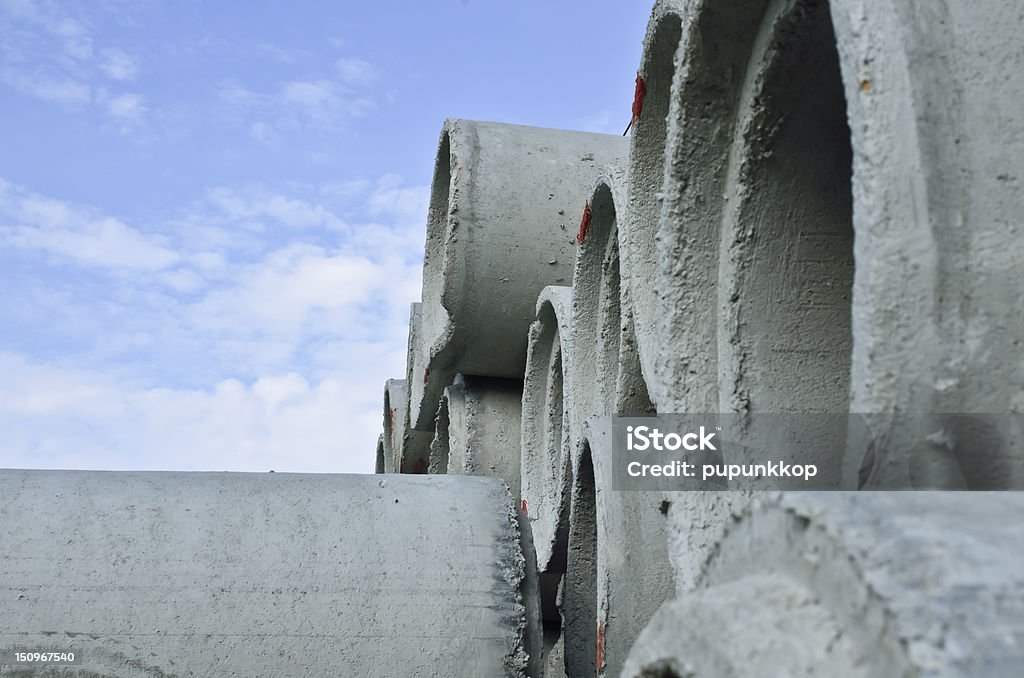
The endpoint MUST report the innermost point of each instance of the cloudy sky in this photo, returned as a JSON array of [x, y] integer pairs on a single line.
[[212, 213]]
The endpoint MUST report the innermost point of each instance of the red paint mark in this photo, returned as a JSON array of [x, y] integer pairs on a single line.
[[638, 97], [391, 418], [600, 645], [524, 508], [426, 376], [584, 224]]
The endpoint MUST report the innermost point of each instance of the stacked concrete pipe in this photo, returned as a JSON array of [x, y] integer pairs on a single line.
[[500, 227], [845, 584], [381, 465], [477, 429], [548, 408], [618, 571], [405, 450], [604, 329], [639, 242], [547, 411], [218, 574], [938, 308]]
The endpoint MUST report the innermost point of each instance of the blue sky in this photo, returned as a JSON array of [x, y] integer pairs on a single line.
[[212, 213]]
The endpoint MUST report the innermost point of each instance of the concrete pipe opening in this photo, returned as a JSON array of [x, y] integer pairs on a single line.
[[493, 245], [379, 466], [603, 323], [647, 171], [394, 418], [546, 426], [441, 445], [787, 239], [580, 608]]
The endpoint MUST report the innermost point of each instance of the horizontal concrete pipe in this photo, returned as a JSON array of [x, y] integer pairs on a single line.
[[405, 450], [477, 430], [500, 227], [548, 410], [845, 584], [235, 574], [603, 326], [617, 568]]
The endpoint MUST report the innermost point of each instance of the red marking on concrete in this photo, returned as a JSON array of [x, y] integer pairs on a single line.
[[426, 376], [638, 97], [584, 224], [524, 508], [600, 645], [391, 418]]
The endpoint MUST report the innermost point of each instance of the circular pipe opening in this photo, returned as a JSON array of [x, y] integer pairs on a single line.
[[580, 596], [787, 236]]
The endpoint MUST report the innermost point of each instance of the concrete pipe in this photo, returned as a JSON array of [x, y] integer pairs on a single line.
[[934, 96], [846, 584], [160, 574], [639, 247], [617, 572], [477, 429], [500, 228], [547, 410], [381, 464], [405, 450], [604, 334], [412, 447]]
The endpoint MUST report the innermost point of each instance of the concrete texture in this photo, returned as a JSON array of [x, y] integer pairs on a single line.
[[604, 334], [938, 141], [405, 450], [199, 574], [381, 464], [478, 428], [505, 206], [647, 158], [871, 584], [547, 408], [617, 572]]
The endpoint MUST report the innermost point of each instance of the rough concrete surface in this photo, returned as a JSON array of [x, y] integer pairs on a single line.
[[547, 410], [413, 454], [618, 572], [477, 429], [646, 170], [603, 329], [215, 574], [405, 450], [874, 584], [505, 205]]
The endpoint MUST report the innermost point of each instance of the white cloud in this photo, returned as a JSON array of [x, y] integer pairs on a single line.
[[57, 89], [54, 417], [75, 233], [118, 64], [206, 342], [356, 71]]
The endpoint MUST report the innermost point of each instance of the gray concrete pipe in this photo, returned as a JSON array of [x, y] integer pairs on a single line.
[[547, 410], [477, 429], [848, 584], [503, 216], [405, 450], [617, 571], [639, 246], [603, 327], [412, 447], [381, 465], [218, 574], [770, 170], [934, 101]]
